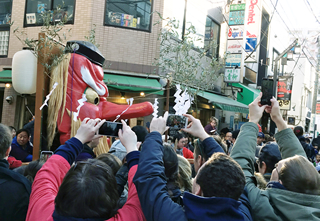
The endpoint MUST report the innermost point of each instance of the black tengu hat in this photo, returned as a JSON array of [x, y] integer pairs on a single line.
[[86, 49]]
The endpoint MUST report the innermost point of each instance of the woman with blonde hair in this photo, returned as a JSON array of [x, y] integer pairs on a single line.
[[185, 174]]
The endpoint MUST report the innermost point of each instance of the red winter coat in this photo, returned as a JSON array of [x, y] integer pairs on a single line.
[[187, 153], [46, 185]]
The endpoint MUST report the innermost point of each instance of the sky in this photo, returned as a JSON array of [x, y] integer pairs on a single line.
[[294, 15], [298, 14]]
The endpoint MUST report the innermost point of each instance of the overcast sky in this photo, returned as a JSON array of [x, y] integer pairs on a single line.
[[298, 14]]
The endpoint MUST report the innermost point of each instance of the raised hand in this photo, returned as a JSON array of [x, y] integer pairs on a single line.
[[88, 128], [275, 114], [195, 128], [128, 138], [256, 110], [159, 124]]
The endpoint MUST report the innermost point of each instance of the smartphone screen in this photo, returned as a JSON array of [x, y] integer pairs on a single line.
[[45, 155], [177, 121], [110, 129], [267, 91]]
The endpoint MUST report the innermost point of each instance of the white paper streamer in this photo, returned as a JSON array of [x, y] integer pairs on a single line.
[[81, 103], [129, 101], [183, 101], [155, 108], [48, 96]]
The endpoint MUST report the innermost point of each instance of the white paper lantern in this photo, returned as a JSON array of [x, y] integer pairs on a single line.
[[24, 72]]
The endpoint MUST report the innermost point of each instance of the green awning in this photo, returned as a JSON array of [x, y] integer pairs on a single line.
[[225, 103], [5, 76], [247, 95], [133, 84]]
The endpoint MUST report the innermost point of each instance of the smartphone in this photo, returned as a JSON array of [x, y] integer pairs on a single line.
[[177, 121], [45, 155], [110, 129], [267, 91]]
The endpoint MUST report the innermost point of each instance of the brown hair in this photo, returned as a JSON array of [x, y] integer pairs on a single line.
[[215, 119], [299, 175], [217, 138], [185, 174]]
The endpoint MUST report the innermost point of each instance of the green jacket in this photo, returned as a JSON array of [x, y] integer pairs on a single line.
[[273, 203]]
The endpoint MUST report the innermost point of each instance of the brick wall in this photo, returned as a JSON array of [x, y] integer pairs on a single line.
[[9, 110], [124, 49]]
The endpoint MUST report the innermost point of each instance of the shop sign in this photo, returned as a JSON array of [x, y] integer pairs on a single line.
[[236, 17], [253, 26], [250, 46], [232, 75], [235, 32], [284, 92], [318, 108], [233, 60], [234, 46], [238, 7]]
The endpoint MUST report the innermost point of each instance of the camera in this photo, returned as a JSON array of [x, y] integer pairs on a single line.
[[110, 129], [9, 99], [177, 121]]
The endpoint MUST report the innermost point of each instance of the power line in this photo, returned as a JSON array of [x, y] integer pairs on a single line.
[[308, 3]]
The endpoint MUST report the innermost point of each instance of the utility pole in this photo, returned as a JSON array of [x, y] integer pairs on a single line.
[[275, 77], [315, 90]]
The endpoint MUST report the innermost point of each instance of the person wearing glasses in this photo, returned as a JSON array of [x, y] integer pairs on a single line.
[[88, 189], [180, 142], [293, 192]]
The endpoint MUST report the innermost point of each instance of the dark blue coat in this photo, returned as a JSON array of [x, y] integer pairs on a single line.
[[150, 181], [15, 191]]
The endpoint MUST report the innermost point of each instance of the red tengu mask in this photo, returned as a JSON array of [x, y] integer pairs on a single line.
[[86, 77]]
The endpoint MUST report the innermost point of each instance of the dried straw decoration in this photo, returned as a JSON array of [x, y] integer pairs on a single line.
[[58, 98]]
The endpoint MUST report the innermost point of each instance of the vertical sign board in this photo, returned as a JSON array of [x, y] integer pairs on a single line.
[[253, 29], [235, 43], [284, 92]]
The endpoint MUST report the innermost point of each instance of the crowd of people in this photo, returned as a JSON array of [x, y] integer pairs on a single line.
[[199, 174]]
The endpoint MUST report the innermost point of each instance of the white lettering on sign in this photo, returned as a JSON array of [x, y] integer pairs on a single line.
[[251, 11]]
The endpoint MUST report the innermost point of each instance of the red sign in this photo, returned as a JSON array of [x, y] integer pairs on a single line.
[[251, 11], [318, 108]]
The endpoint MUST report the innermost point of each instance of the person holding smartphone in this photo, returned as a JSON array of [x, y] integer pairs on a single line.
[[88, 189]]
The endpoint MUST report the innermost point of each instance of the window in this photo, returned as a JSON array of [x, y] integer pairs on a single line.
[[211, 38], [34, 8], [4, 43], [309, 100], [134, 14], [5, 20], [5, 12]]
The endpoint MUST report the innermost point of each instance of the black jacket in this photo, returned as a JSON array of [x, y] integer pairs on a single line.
[[15, 190]]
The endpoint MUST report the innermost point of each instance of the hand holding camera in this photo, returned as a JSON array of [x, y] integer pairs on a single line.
[[195, 128], [128, 138], [159, 124]]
